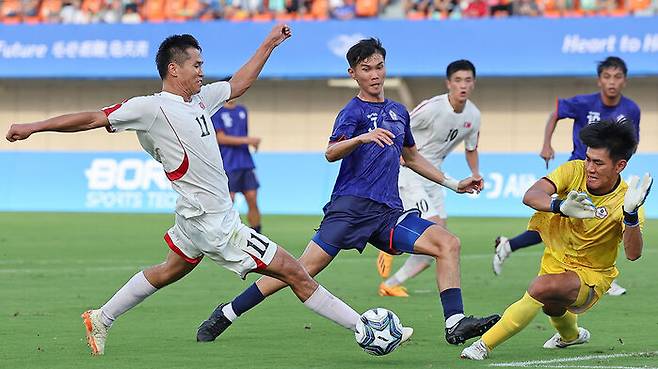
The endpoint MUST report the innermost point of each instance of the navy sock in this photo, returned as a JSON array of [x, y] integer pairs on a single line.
[[256, 228], [451, 299], [525, 239], [247, 300]]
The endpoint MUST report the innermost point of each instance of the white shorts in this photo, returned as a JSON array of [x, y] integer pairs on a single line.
[[422, 194], [224, 239]]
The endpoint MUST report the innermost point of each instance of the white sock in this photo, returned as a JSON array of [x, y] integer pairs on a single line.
[[415, 264], [332, 308], [454, 319], [132, 293], [229, 313]]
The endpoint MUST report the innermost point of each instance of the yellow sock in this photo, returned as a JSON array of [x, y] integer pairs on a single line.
[[566, 325], [515, 318]]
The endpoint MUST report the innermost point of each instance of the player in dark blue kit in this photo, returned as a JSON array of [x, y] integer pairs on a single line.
[[232, 132], [370, 134], [607, 104]]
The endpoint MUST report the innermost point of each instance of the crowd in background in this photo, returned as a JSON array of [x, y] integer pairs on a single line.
[[137, 11]]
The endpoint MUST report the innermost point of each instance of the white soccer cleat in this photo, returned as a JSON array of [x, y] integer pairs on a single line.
[[616, 289], [557, 342], [406, 334], [477, 351], [502, 252], [96, 331]]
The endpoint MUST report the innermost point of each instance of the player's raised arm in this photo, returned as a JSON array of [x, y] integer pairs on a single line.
[[635, 196], [245, 76], [64, 123], [417, 162]]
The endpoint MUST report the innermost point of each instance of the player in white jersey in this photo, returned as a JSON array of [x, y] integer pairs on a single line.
[[174, 127], [439, 125]]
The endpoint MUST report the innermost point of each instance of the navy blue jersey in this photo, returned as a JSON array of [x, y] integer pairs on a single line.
[[588, 109], [371, 171], [233, 122]]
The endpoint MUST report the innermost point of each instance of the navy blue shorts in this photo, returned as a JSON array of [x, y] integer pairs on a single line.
[[242, 180], [350, 222]]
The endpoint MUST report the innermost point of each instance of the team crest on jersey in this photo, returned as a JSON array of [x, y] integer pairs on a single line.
[[392, 114], [593, 117], [467, 124], [601, 212], [201, 105]]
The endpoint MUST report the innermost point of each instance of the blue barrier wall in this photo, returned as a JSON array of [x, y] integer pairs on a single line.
[[509, 47], [291, 183]]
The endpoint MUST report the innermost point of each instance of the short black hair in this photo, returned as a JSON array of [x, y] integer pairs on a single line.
[[611, 62], [174, 49], [618, 137], [457, 65], [363, 50]]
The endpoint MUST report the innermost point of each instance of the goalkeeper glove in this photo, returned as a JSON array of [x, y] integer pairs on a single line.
[[635, 195], [576, 205]]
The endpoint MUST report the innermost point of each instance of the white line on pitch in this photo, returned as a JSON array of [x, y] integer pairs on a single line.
[[558, 362]]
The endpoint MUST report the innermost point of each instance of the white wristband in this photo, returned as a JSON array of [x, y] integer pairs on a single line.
[[451, 183]]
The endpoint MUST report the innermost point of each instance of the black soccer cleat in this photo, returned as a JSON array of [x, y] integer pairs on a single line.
[[470, 327], [212, 327]]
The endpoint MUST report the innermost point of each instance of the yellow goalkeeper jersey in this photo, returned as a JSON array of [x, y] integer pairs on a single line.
[[590, 243]]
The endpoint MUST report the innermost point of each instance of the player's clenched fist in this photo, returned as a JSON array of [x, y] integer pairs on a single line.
[[18, 132], [379, 136], [280, 33], [469, 185]]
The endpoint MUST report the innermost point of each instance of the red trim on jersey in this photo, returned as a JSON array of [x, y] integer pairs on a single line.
[[178, 251], [111, 109], [339, 139], [185, 165], [259, 263], [423, 103], [181, 170], [557, 105]]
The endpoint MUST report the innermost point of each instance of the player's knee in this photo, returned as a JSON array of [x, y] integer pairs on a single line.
[[450, 245]]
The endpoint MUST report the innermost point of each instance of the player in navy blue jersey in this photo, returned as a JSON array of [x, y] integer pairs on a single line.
[[607, 104], [370, 135], [232, 133]]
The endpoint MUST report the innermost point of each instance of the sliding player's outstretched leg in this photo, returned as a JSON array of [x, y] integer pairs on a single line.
[[281, 271]]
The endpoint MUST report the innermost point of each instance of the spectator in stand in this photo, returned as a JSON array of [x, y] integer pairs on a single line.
[[476, 9], [210, 9], [346, 9], [31, 8], [111, 12], [500, 8], [525, 8], [71, 13], [130, 15], [445, 9]]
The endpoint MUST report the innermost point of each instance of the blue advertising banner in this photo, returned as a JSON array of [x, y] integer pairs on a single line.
[[290, 183], [509, 47]]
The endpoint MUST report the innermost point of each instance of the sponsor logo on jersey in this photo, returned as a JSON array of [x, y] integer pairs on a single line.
[[467, 124], [601, 212], [202, 105]]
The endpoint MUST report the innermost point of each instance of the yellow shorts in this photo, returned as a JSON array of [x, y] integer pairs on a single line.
[[593, 284]]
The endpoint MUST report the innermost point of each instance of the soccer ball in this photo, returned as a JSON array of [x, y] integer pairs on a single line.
[[378, 331]]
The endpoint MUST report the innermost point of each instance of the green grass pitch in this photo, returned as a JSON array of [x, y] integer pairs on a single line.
[[55, 266]]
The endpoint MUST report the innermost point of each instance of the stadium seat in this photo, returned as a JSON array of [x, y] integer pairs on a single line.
[[414, 15], [176, 10], [153, 10], [262, 17], [92, 6], [49, 9], [367, 8], [320, 9], [11, 11]]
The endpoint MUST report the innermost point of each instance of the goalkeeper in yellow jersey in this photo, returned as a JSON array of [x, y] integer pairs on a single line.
[[582, 227]]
